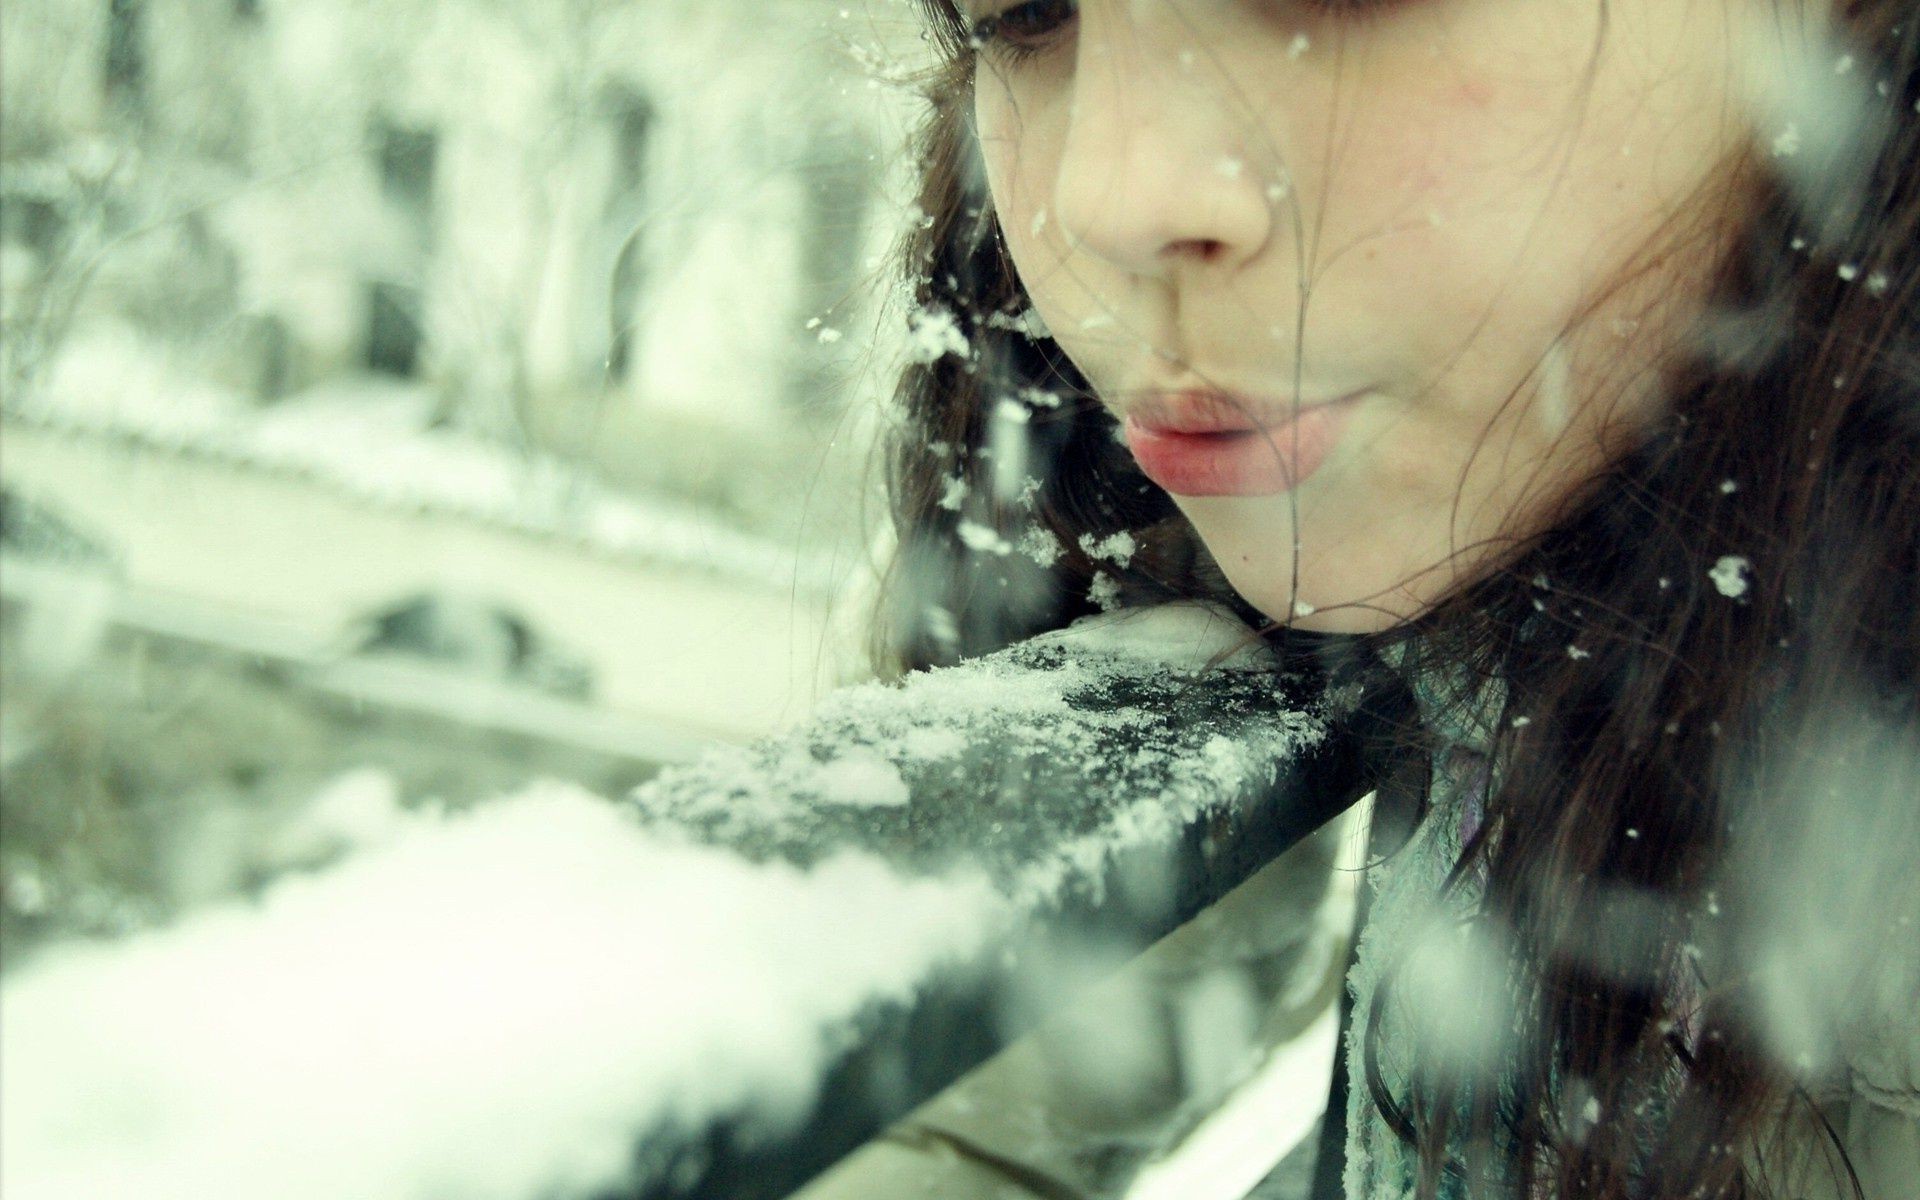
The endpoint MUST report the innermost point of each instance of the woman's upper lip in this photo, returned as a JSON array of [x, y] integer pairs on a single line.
[[1198, 411]]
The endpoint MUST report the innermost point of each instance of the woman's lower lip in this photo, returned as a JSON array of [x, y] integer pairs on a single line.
[[1251, 462]]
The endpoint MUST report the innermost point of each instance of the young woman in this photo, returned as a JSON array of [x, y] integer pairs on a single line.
[[1563, 355]]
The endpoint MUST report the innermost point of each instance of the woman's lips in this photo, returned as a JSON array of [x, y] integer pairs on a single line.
[[1209, 445]]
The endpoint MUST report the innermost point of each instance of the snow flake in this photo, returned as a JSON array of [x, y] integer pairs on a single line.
[[955, 494], [1877, 283], [1298, 45], [1848, 272], [1728, 487], [1040, 398], [829, 335], [1012, 411], [1798, 243], [1729, 575], [1027, 323], [1039, 220], [1039, 544], [1843, 64], [1576, 653], [933, 333], [982, 539], [1522, 722], [1229, 168], [1117, 548], [1787, 142], [1633, 833], [1104, 591], [1302, 609]]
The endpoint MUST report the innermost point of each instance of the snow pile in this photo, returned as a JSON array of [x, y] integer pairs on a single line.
[[1043, 763], [506, 1003], [491, 1005]]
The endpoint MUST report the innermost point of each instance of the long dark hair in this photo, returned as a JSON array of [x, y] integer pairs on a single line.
[[1728, 617]]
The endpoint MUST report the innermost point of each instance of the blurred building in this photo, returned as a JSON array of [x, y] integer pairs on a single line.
[[598, 273], [538, 209], [457, 390]]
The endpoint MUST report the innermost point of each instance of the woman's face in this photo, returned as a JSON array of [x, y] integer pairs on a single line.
[[1372, 286]]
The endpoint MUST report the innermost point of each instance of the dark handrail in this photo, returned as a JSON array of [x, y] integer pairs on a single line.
[[1109, 795]]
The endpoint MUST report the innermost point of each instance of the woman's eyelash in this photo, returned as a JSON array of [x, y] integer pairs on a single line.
[[1023, 30]]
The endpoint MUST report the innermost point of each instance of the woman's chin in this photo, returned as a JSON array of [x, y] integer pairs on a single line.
[[1325, 605]]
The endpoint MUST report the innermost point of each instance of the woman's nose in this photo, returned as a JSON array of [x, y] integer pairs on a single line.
[[1158, 170]]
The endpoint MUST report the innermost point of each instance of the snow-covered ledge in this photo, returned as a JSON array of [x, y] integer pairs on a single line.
[[715, 989]]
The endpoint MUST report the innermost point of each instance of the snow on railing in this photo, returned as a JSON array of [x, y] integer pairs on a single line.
[[715, 989]]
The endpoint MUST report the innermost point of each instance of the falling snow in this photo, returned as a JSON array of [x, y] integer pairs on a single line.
[[1118, 548], [1729, 575], [982, 539], [933, 333]]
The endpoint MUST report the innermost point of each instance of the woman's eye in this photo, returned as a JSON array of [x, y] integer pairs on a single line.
[[1023, 30]]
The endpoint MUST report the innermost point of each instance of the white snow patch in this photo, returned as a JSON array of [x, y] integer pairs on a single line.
[[1027, 323], [1040, 545], [1729, 575], [377, 443], [954, 493], [933, 333], [932, 745], [1008, 438], [981, 539], [1116, 548], [475, 1009], [862, 777], [1187, 636]]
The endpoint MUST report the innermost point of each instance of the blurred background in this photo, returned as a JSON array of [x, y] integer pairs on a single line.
[[403, 400]]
